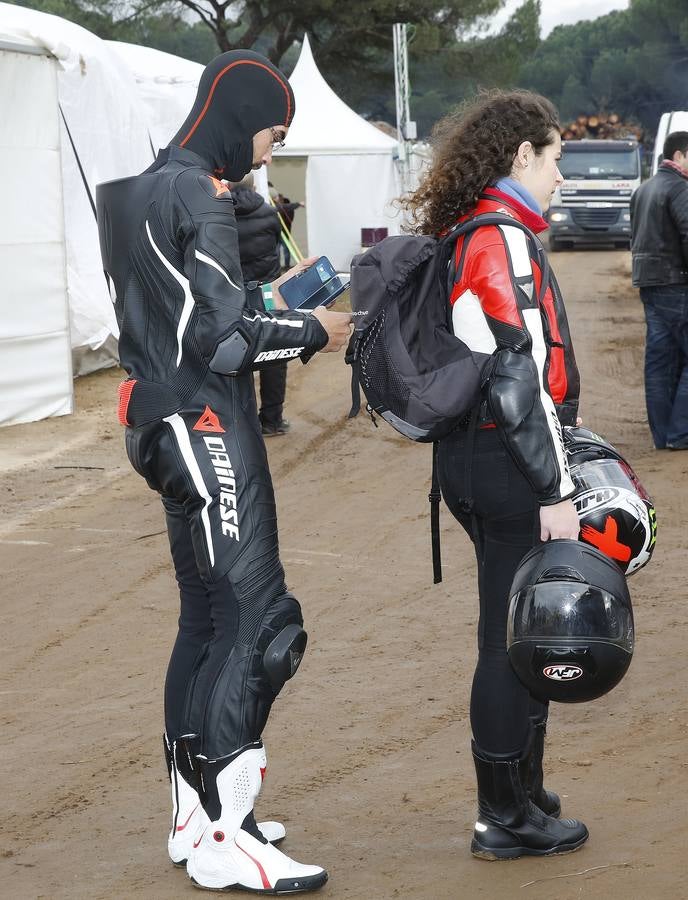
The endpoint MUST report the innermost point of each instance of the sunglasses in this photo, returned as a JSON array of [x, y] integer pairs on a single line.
[[277, 139]]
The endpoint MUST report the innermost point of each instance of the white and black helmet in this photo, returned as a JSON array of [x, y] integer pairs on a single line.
[[617, 516]]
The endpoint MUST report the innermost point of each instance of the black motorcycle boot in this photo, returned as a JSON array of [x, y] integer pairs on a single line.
[[548, 801], [187, 812], [509, 824]]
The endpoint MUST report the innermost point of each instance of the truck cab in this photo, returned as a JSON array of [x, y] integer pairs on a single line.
[[593, 203]]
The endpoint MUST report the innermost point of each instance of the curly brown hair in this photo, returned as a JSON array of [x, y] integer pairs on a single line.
[[473, 147]]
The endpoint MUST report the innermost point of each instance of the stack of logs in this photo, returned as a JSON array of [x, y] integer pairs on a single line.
[[602, 126]]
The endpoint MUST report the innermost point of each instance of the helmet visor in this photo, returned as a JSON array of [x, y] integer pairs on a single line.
[[607, 476], [567, 610]]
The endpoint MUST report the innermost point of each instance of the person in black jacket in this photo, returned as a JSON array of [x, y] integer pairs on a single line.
[[190, 338], [259, 232], [659, 244]]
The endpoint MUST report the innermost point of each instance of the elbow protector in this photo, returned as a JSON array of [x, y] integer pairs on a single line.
[[514, 400], [231, 354]]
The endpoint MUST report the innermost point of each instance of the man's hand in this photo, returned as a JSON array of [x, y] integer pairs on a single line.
[[277, 299], [559, 521], [338, 328]]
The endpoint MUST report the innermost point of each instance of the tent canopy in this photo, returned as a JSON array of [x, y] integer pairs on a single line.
[[323, 123], [148, 64], [166, 85], [351, 175]]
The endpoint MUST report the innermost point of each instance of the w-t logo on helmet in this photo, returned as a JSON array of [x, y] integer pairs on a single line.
[[562, 673]]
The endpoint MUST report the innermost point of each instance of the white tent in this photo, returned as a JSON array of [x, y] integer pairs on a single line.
[[70, 118], [351, 176], [165, 83]]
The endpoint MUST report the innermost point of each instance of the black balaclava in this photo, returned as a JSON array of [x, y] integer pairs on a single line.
[[240, 93]]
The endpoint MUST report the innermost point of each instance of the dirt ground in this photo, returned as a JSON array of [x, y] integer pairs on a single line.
[[370, 764]]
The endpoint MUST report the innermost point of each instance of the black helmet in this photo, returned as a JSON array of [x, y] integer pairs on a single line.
[[570, 622], [615, 511]]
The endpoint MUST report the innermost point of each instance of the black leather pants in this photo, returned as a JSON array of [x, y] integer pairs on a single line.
[[506, 516]]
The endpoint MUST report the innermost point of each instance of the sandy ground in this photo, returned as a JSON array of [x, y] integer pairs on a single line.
[[369, 746]]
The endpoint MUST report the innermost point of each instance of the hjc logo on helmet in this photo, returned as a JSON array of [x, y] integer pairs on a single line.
[[562, 673], [589, 501]]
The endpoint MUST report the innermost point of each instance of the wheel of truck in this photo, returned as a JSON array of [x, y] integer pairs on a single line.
[[554, 246]]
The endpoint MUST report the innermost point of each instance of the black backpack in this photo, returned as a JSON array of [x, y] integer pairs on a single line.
[[415, 373]]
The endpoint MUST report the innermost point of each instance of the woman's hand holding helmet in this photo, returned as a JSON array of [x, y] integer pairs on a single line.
[[559, 521]]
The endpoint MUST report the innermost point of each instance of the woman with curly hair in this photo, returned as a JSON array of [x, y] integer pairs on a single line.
[[499, 155]]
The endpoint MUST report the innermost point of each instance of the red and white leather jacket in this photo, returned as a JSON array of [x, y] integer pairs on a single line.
[[534, 387]]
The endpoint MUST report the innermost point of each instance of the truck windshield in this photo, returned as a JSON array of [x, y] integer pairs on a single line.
[[598, 164]]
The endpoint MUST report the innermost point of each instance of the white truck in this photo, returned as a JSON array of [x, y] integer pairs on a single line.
[[593, 203], [669, 121]]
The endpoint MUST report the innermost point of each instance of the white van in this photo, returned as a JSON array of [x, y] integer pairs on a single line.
[[670, 121]]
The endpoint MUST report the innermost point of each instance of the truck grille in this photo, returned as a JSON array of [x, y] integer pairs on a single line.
[[596, 194], [595, 218]]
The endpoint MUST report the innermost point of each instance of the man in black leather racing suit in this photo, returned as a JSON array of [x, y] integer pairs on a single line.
[[190, 337]]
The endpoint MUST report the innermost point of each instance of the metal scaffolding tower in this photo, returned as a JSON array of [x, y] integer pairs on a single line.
[[406, 129]]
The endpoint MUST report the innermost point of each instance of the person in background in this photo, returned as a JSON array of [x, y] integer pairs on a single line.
[[504, 476], [286, 209], [659, 245], [259, 230]]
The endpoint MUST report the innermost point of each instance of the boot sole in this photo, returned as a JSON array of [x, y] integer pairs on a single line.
[[282, 886], [481, 852]]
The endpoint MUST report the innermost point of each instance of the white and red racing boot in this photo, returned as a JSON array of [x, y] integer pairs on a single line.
[[188, 816], [224, 855]]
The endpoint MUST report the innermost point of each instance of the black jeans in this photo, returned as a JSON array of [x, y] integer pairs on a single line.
[[507, 527], [273, 388]]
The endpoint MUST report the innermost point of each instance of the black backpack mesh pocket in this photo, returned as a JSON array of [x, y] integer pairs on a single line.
[[379, 375]]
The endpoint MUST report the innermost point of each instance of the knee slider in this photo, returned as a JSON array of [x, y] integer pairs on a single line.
[[283, 655], [260, 663], [283, 641]]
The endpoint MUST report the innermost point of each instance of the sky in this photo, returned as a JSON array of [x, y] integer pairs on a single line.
[[562, 12]]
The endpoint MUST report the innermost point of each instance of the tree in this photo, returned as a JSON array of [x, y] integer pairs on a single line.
[[98, 16], [340, 29], [443, 76], [496, 60], [633, 62], [353, 37], [575, 98]]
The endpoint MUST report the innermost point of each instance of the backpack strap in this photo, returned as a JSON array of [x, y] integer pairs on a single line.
[[476, 222], [434, 497], [351, 358]]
